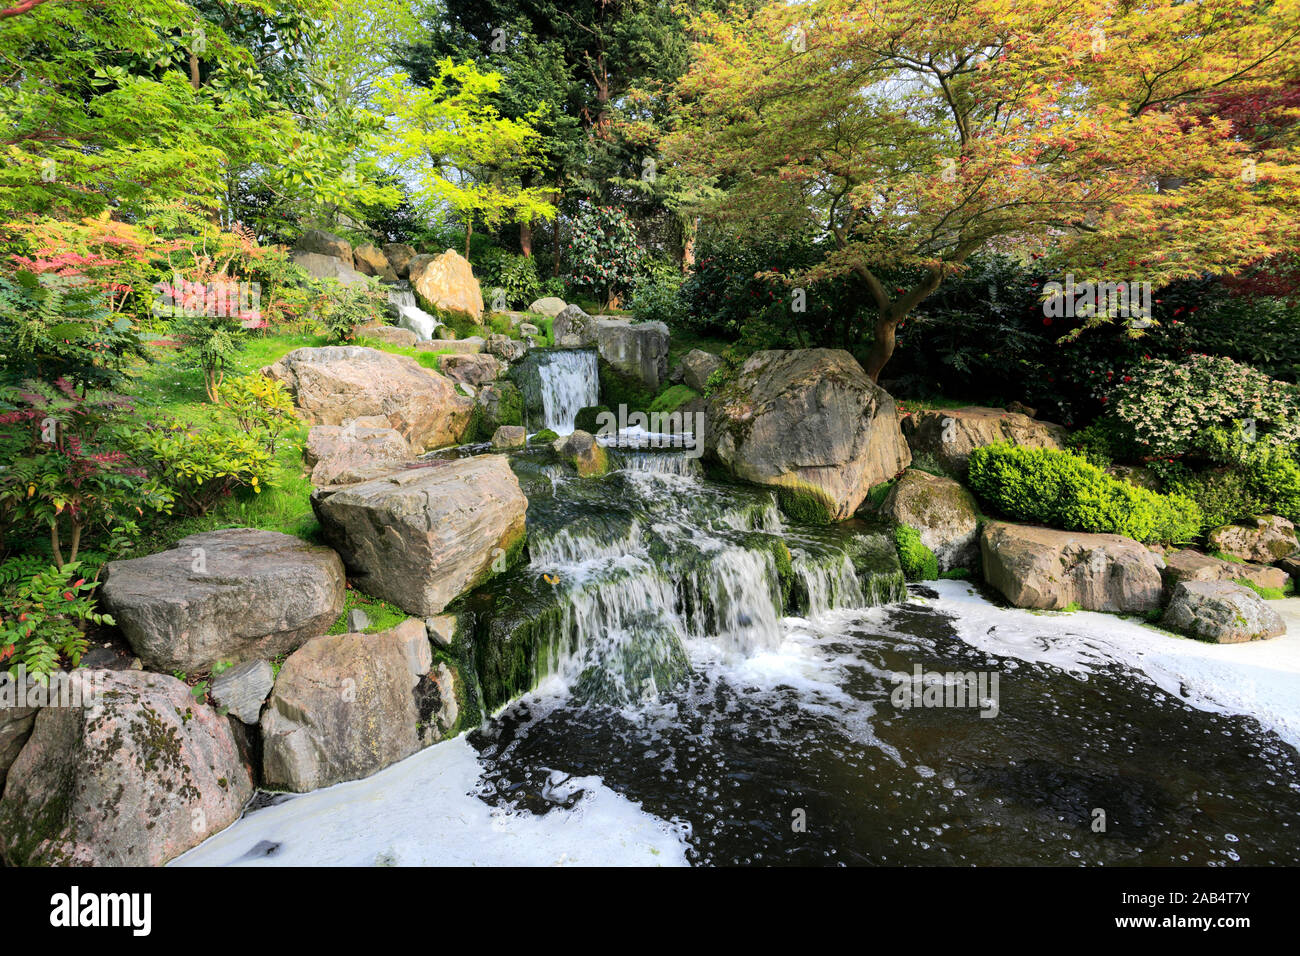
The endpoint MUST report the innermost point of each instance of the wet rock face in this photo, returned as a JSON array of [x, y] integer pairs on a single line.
[[1266, 539], [942, 511], [638, 350], [135, 782], [447, 283], [947, 436], [584, 453], [345, 706], [227, 595], [1049, 570], [807, 420], [421, 537], [1221, 612], [335, 384]]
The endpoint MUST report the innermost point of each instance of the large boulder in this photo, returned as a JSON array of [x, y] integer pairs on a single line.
[[1050, 570], [1222, 612], [697, 365], [581, 450], [638, 350], [1266, 539], [473, 369], [225, 595], [347, 705], [809, 422], [1189, 565], [547, 305], [370, 260], [16, 720], [506, 348], [328, 267], [399, 257], [500, 404], [947, 436], [942, 511], [447, 283], [135, 780], [334, 384], [509, 436], [326, 244], [421, 537], [338, 454]]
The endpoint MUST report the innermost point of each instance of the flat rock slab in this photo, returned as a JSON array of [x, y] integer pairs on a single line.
[[242, 689], [423, 536], [335, 384], [1189, 565], [1222, 612], [1046, 569], [226, 595], [136, 781], [347, 705]]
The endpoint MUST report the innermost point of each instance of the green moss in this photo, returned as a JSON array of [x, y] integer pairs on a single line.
[[1268, 594], [383, 616], [673, 398], [545, 436], [918, 561], [878, 493], [618, 389], [586, 419], [956, 574], [1223, 556], [807, 504]]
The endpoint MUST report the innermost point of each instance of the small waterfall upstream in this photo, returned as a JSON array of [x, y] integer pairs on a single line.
[[569, 384], [409, 314]]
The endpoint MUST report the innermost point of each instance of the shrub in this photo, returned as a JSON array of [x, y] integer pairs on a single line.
[[918, 561], [202, 466], [260, 404], [516, 277], [1063, 490], [659, 299], [42, 614], [606, 258], [1206, 407]]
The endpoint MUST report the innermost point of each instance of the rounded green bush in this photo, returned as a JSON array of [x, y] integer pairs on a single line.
[[918, 561], [1063, 490]]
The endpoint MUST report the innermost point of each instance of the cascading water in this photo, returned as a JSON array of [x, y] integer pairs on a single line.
[[569, 384], [410, 315]]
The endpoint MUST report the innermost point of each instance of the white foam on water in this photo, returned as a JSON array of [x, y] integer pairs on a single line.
[[423, 812], [1260, 679]]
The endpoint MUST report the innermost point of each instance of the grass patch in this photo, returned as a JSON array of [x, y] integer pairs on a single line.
[[383, 616], [673, 398], [1231, 558], [1268, 594]]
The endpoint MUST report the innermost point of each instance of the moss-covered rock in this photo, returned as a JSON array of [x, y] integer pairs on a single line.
[[943, 513]]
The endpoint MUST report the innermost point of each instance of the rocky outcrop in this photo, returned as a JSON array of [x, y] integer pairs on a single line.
[[947, 436], [421, 537], [697, 365], [335, 384], [809, 422], [1050, 570], [16, 721], [136, 780], [370, 260], [399, 256], [347, 705], [509, 436], [1266, 539], [506, 348], [474, 369], [324, 243], [327, 267], [547, 305], [581, 450], [224, 595], [447, 283], [1222, 612], [499, 404], [469, 346], [942, 511], [638, 350], [1189, 565]]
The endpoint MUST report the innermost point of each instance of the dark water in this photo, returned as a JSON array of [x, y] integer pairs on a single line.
[[743, 760]]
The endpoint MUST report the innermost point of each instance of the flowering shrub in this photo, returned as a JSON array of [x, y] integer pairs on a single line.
[[1207, 407], [605, 256], [1063, 490]]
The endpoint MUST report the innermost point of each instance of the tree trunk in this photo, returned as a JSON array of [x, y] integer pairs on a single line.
[[526, 239], [469, 233], [882, 347], [691, 228]]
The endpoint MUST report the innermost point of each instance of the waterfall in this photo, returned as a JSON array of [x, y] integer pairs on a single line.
[[630, 574], [410, 315], [568, 384]]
